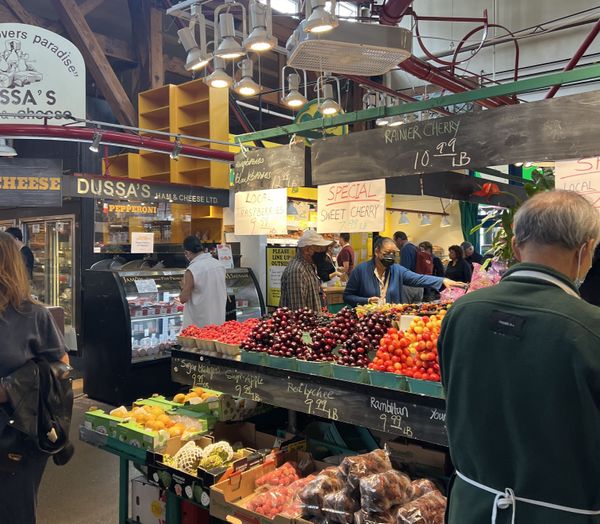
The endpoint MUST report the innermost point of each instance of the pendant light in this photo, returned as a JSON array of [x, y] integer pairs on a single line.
[[328, 106], [383, 121], [246, 86], [197, 55], [261, 34], [5, 149], [320, 20], [228, 48], [95, 145], [425, 219], [218, 79], [445, 221], [294, 97]]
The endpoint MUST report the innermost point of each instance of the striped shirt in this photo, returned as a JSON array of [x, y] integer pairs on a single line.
[[300, 286]]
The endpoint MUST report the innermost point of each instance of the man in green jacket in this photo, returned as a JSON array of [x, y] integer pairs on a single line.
[[520, 363]]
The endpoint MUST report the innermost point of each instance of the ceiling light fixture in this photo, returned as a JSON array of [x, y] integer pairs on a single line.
[[383, 121], [246, 86], [445, 221], [318, 19], [197, 55], [228, 47], [528, 164], [94, 146], [294, 98], [518, 164], [261, 22], [218, 79], [176, 150], [397, 120], [327, 105], [425, 219]]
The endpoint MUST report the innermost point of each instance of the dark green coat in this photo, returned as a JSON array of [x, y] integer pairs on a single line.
[[520, 364]]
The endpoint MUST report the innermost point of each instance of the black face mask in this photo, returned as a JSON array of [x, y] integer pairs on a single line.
[[388, 261], [319, 257]]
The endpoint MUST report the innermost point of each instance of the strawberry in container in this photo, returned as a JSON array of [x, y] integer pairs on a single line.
[[282, 476]]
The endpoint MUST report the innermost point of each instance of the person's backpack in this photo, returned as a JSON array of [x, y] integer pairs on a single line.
[[424, 264]]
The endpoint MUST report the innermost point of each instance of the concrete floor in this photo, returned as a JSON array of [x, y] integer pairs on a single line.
[[85, 491]]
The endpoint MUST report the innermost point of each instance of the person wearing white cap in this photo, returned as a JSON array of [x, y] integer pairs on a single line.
[[300, 285]]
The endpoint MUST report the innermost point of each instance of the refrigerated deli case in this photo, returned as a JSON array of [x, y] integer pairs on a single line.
[[131, 320]]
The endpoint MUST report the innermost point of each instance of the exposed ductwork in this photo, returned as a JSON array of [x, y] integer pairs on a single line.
[[112, 138], [392, 11]]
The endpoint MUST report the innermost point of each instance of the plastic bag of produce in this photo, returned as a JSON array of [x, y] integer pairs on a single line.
[[450, 294], [311, 496], [419, 487], [360, 466], [282, 476], [386, 517], [339, 507], [293, 509], [381, 491], [482, 278], [424, 510], [270, 503]]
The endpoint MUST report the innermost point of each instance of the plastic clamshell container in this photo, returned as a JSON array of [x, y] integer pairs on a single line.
[[254, 357], [350, 374], [291, 364], [426, 387], [321, 369], [383, 379]]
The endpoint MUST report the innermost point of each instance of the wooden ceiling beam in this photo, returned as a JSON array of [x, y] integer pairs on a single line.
[[87, 6], [25, 17], [156, 62], [73, 20]]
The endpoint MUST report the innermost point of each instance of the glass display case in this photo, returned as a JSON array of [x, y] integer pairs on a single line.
[[242, 287], [130, 321]]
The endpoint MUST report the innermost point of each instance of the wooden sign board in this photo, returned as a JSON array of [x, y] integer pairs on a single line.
[[566, 127], [30, 182], [270, 168]]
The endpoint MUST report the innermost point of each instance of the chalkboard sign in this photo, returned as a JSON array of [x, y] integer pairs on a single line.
[[270, 168], [395, 412], [28, 182], [555, 129]]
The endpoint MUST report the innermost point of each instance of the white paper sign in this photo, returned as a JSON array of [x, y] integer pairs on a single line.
[[42, 75], [146, 285], [581, 176], [261, 212], [142, 242], [225, 255], [351, 207]]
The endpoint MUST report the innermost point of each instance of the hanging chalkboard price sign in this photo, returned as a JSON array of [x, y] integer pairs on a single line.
[[394, 412], [554, 129], [271, 168]]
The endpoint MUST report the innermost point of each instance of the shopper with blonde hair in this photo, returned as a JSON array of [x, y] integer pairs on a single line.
[[27, 332]]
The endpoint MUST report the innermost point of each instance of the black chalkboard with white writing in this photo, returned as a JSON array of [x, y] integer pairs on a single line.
[[556, 129], [270, 168], [395, 412]]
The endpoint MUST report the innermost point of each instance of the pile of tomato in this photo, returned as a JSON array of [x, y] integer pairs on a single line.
[[412, 353], [232, 332]]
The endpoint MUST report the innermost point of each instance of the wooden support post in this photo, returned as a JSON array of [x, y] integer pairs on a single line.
[[156, 63], [87, 6], [97, 63]]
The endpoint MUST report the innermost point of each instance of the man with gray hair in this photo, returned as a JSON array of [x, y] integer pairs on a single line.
[[520, 364]]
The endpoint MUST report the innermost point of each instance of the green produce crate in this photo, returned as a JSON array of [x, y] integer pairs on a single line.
[[426, 387], [102, 422], [291, 364], [321, 369], [254, 357], [350, 374], [383, 379]]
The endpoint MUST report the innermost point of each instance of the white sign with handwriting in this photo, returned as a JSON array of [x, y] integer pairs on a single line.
[[581, 176], [351, 207], [261, 212]]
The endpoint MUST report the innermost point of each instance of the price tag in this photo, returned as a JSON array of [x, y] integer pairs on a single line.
[[146, 285]]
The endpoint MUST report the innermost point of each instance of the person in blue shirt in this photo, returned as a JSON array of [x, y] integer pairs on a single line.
[[408, 259], [380, 280]]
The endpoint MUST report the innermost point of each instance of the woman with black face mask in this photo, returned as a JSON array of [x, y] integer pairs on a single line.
[[380, 279]]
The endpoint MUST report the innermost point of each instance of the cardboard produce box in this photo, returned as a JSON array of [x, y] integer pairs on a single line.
[[229, 497], [148, 505], [196, 488], [101, 422]]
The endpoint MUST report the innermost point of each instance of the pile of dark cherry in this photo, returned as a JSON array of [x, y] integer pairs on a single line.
[[343, 338]]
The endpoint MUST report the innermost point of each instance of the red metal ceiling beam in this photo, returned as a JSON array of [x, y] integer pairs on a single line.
[[578, 54], [392, 11], [115, 138]]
